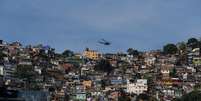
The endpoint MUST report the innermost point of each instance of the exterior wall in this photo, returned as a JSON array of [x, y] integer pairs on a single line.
[[139, 87], [87, 84], [1, 71], [197, 61], [34, 95], [136, 88], [150, 61], [91, 54], [81, 97], [169, 92]]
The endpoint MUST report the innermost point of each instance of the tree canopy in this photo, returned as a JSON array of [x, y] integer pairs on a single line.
[[170, 49], [192, 96], [173, 72], [25, 72], [133, 52], [193, 43], [68, 53], [123, 96], [145, 97], [103, 65], [182, 47]]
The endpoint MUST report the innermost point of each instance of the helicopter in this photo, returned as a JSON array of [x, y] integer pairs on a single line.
[[104, 42]]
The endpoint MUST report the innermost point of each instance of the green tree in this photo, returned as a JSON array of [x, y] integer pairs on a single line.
[[133, 52], [104, 66], [173, 73], [182, 47], [68, 53], [170, 49], [2, 55], [193, 43], [142, 97], [192, 96], [123, 65], [145, 97], [123, 96], [103, 84], [25, 72]]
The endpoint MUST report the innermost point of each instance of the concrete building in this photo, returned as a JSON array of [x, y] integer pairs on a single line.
[[92, 54], [138, 87]]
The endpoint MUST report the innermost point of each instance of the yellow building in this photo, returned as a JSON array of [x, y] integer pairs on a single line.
[[92, 54], [87, 84]]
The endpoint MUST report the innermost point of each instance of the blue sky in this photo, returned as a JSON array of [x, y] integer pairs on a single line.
[[76, 24]]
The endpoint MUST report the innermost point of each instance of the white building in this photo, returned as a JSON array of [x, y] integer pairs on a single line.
[[8, 71], [150, 60], [168, 92], [1, 71], [137, 87]]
